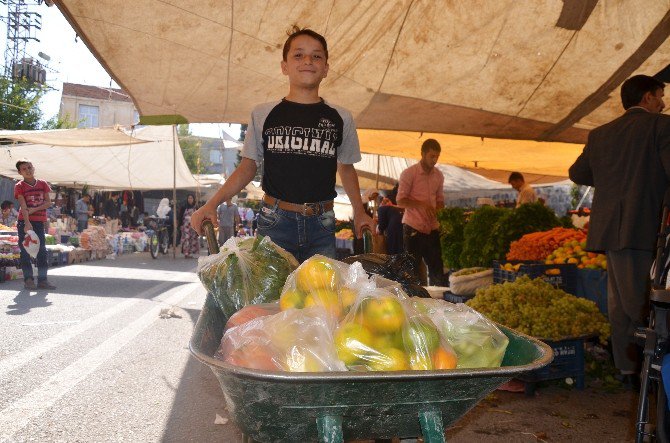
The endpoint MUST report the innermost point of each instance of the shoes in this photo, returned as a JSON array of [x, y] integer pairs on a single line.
[[45, 285], [29, 284]]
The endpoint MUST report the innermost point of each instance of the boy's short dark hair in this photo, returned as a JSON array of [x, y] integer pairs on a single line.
[[515, 176], [430, 145], [21, 161], [295, 31], [635, 87], [6, 204]]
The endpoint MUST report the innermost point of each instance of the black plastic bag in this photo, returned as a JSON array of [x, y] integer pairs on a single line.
[[398, 267]]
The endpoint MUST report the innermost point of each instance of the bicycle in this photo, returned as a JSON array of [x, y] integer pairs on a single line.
[[159, 236], [653, 416]]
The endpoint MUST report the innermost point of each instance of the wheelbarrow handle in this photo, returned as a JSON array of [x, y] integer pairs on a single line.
[[210, 235]]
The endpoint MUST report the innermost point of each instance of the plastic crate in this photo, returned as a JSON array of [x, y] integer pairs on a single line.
[[568, 362], [562, 276], [53, 258], [453, 298], [592, 285]]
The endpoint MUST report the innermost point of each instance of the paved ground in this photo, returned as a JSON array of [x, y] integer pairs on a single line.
[[94, 362]]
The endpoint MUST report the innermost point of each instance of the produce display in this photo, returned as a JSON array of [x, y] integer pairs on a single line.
[[345, 234], [7, 228], [573, 252], [251, 271], [538, 245], [49, 239], [478, 342], [536, 308], [94, 237]]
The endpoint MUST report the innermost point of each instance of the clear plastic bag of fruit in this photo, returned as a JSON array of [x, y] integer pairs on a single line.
[[251, 312], [246, 271], [323, 281], [383, 332], [297, 340], [477, 341]]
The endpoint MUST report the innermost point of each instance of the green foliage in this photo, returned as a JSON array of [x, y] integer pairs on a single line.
[[190, 148], [527, 218], [19, 104], [477, 235], [58, 122], [566, 222], [452, 223]]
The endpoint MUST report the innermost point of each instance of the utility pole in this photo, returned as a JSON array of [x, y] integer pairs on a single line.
[[22, 26]]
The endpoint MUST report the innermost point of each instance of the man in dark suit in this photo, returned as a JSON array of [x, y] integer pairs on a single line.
[[627, 161]]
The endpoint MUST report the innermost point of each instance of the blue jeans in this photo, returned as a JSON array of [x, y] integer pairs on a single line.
[[81, 225], [26, 264], [300, 235]]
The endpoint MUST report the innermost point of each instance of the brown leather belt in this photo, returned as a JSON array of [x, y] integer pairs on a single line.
[[306, 209]]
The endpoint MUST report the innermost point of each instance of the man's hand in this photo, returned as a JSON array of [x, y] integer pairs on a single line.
[[361, 220], [430, 211], [205, 212]]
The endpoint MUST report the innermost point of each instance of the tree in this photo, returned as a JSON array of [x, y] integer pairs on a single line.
[[19, 104], [190, 148], [60, 122]]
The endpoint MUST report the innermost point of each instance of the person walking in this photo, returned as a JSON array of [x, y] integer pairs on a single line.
[[33, 197], [229, 218], [190, 240], [420, 193], [83, 212], [627, 161], [302, 141]]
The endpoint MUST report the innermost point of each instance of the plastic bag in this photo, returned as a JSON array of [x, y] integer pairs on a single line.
[[245, 271], [467, 281], [398, 267], [297, 340], [31, 243], [324, 282], [383, 332], [477, 341], [251, 312]]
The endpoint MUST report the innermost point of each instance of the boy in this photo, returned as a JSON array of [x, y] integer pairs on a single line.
[[301, 141], [33, 197]]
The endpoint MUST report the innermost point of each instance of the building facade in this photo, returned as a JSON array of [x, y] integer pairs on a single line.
[[96, 106]]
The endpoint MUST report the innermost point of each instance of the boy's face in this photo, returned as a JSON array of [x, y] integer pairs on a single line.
[[27, 170], [306, 63]]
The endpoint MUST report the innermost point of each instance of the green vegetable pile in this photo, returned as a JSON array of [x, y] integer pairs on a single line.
[[252, 272]]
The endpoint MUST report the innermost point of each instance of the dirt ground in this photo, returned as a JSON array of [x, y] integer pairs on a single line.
[[555, 414]]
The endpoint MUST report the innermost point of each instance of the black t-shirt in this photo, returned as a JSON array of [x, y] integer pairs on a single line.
[[300, 145]]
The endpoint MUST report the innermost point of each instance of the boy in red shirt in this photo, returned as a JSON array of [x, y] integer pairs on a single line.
[[33, 197]]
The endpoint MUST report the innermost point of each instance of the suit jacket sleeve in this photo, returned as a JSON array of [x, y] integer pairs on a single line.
[[580, 171]]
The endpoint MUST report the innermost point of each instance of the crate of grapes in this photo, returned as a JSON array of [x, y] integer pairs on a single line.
[[562, 276], [568, 363]]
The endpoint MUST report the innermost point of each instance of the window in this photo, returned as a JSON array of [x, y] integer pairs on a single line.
[[88, 116], [215, 157]]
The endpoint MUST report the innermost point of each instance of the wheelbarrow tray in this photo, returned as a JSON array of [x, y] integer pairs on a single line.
[[273, 406]]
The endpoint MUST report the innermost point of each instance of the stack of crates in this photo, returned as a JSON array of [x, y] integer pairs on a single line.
[[561, 276], [568, 363]]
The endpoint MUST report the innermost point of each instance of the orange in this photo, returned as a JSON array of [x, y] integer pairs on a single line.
[[390, 359], [383, 341], [352, 341], [383, 314], [291, 299], [326, 298], [317, 273], [443, 359], [348, 297]]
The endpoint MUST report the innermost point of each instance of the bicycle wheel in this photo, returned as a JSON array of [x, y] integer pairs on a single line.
[[164, 241], [153, 244]]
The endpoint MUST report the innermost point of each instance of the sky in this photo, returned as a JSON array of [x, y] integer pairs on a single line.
[[72, 62]]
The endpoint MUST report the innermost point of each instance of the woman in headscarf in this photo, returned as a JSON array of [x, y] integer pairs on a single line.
[[190, 241]]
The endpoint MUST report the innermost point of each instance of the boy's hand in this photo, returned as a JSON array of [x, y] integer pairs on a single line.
[[27, 227], [205, 212]]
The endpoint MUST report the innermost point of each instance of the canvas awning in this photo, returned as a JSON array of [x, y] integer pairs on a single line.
[[546, 70], [142, 159]]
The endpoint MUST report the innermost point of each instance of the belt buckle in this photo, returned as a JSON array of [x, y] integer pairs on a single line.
[[309, 209]]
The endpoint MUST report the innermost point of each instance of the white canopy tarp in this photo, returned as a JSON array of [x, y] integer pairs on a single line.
[[145, 158], [547, 70]]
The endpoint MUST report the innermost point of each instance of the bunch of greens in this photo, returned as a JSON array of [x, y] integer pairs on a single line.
[[452, 223], [253, 271], [478, 236]]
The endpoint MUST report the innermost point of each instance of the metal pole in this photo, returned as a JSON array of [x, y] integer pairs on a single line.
[[377, 182], [579, 205], [174, 191]]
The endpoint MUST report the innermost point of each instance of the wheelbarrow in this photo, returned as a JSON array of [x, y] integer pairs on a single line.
[[328, 407]]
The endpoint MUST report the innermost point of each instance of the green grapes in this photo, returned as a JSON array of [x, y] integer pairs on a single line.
[[538, 309]]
